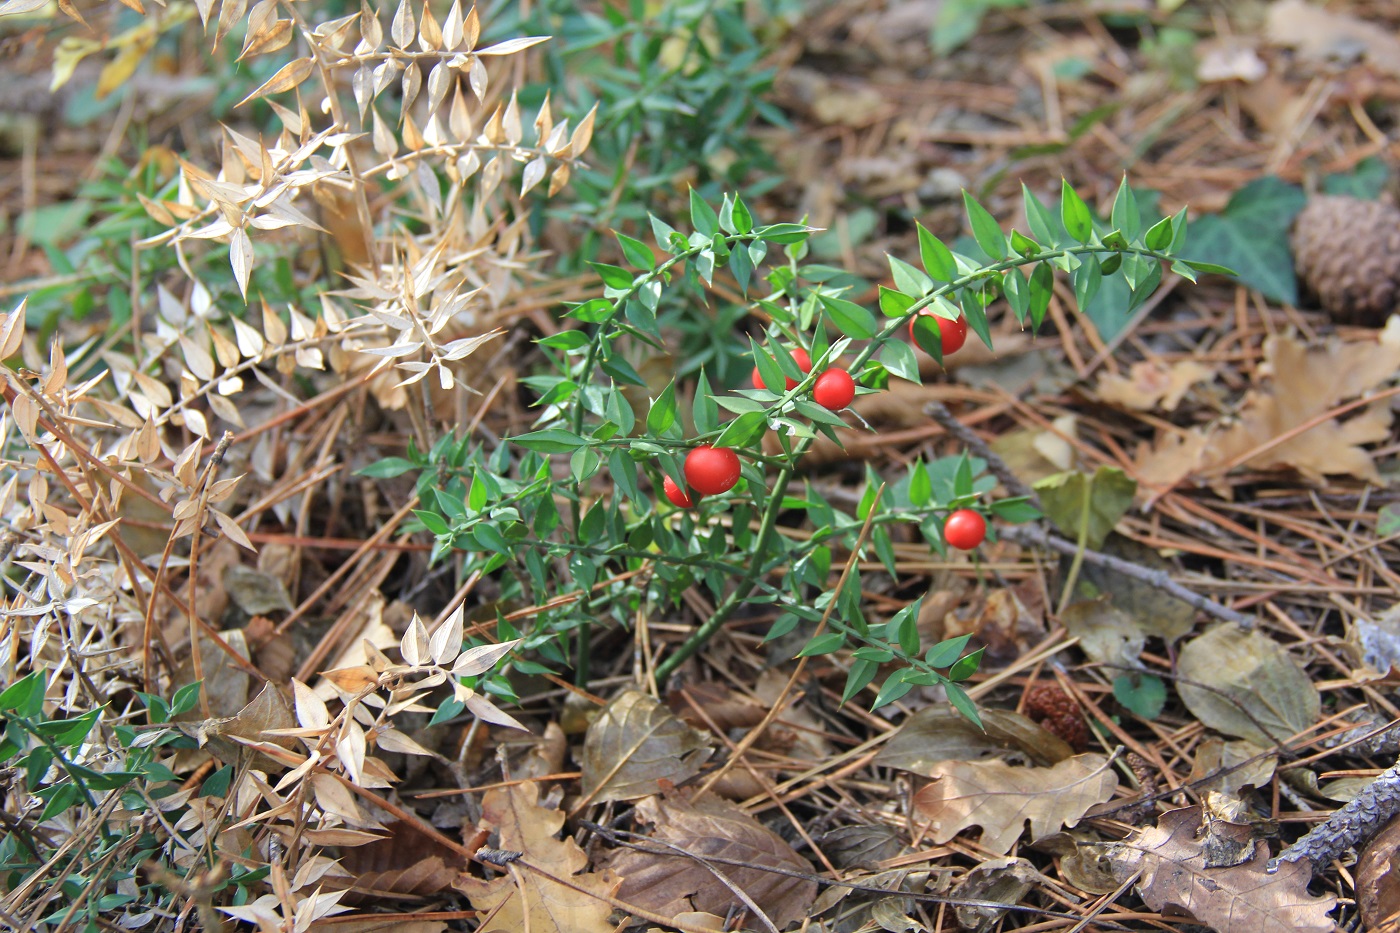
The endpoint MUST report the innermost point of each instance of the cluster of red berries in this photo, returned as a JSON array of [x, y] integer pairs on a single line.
[[710, 470], [833, 390]]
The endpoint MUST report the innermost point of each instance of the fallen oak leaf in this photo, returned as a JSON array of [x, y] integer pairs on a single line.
[[676, 883], [571, 901], [1241, 898], [1001, 798]]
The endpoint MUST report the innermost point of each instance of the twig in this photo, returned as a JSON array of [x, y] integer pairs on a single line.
[[1033, 535], [1350, 826]]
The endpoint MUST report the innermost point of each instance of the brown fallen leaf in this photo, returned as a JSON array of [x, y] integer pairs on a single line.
[[406, 861], [524, 899], [1001, 798], [1305, 383], [1321, 33], [1377, 878], [634, 745], [1244, 684], [676, 882], [1151, 384], [936, 734], [1240, 898]]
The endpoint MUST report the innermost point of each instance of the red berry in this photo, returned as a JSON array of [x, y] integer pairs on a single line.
[[799, 356], [834, 389], [953, 333], [965, 529], [711, 470], [678, 496]]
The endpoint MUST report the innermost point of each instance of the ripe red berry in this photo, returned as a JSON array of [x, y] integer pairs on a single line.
[[834, 389], [953, 333], [711, 470], [678, 496], [965, 529], [800, 357]]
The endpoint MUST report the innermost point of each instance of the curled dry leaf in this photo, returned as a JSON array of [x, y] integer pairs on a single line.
[[1151, 384], [682, 880], [634, 745], [1240, 898], [524, 899], [406, 861], [1001, 798], [1244, 684]]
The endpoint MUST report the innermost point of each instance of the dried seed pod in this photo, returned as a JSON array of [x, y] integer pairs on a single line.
[[1347, 253]]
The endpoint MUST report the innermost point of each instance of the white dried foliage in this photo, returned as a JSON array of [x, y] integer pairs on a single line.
[[133, 448]]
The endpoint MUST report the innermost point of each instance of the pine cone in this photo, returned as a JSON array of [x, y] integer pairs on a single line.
[[1347, 253]]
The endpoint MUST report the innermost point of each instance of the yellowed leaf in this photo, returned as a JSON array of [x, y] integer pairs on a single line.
[[287, 77]]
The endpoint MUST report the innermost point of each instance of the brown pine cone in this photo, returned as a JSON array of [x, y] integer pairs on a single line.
[[1347, 253]]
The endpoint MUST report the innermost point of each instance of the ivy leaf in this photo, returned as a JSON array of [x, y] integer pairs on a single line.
[[1251, 237]]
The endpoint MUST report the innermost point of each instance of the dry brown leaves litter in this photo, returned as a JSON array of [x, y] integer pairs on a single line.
[[1284, 423], [634, 745]]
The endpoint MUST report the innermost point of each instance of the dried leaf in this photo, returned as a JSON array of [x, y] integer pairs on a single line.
[[1151, 384], [1241, 898], [1305, 383], [676, 882], [1002, 880], [287, 77], [939, 733], [524, 899], [1318, 32], [1001, 798], [634, 745], [1244, 684]]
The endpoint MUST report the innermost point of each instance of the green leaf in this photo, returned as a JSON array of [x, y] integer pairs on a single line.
[[824, 643], [743, 430], [937, 259], [1366, 181], [898, 357], [185, 698], [851, 319], [908, 279], [550, 441], [1042, 289], [947, 652], [1015, 511], [1023, 244], [593, 311], [957, 22], [1087, 279], [1017, 291], [663, 411], [1087, 507], [1124, 216], [966, 666], [1388, 520], [1251, 236], [702, 216], [703, 409], [892, 690], [613, 276], [961, 702], [433, 521], [985, 230], [637, 253], [785, 234], [1159, 235], [895, 304], [1141, 694], [20, 694], [387, 468], [1038, 217], [861, 674], [1079, 223], [665, 234]]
